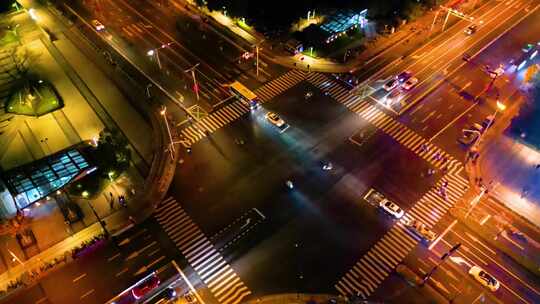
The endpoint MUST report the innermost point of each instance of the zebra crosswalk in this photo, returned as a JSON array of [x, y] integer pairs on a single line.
[[374, 266], [209, 264], [222, 117], [401, 133]]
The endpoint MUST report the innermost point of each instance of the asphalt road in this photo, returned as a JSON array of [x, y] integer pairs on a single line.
[[182, 40], [104, 271], [317, 230]]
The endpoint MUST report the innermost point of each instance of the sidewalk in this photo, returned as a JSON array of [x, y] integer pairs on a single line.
[[139, 206], [515, 229], [405, 39]]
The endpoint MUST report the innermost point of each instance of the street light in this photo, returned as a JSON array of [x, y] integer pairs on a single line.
[[163, 113], [85, 195], [256, 46], [195, 85], [155, 52]]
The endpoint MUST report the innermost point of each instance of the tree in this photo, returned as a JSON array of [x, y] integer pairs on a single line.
[[6, 5], [112, 153]]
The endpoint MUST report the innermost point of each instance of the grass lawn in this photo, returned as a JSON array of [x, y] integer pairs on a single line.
[[8, 37], [35, 100]]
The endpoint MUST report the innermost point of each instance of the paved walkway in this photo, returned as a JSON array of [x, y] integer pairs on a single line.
[[139, 207]]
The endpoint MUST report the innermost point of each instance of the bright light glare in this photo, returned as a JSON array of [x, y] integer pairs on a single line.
[[501, 106], [32, 13], [150, 53]]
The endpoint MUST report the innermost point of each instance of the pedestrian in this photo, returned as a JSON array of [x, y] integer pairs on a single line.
[[132, 220], [110, 193], [111, 203]]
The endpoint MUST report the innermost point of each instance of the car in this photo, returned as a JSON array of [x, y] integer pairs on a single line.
[[373, 197], [410, 83], [484, 278], [468, 138], [274, 119], [349, 79], [98, 26], [421, 230], [391, 208], [477, 127], [390, 85], [471, 29], [488, 122], [403, 76], [145, 286]]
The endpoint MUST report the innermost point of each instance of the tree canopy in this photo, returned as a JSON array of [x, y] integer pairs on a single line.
[[280, 14], [525, 125], [6, 5]]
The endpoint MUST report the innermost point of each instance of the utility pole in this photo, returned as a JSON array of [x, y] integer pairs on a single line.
[[256, 46], [195, 85]]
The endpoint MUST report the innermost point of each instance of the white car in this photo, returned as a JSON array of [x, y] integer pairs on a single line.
[[410, 83], [391, 208], [484, 278], [391, 84], [98, 26], [274, 119], [420, 229]]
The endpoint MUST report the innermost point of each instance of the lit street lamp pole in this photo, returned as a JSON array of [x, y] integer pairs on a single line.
[[163, 113], [155, 52], [195, 85], [101, 222], [256, 46]]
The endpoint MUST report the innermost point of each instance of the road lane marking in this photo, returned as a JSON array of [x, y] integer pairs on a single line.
[[151, 253], [79, 277], [453, 121], [121, 272], [485, 219], [429, 116], [86, 294], [442, 234], [502, 267], [468, 84], [479, 242], [113, 257], [44, 299]]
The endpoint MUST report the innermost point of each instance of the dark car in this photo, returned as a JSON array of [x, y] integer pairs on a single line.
[[404, 76], [349, 79], [145, 286]]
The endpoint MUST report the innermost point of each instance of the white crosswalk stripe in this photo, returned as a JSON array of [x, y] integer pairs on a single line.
[[374, 266], [398, 131], [211, 267], [222, 117]]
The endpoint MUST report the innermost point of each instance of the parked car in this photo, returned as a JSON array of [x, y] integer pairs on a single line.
[[391, 208], [410, 83], [484, 278], [391, 84], [471, 29]]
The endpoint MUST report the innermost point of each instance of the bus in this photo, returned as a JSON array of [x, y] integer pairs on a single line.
[[244, 94]]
